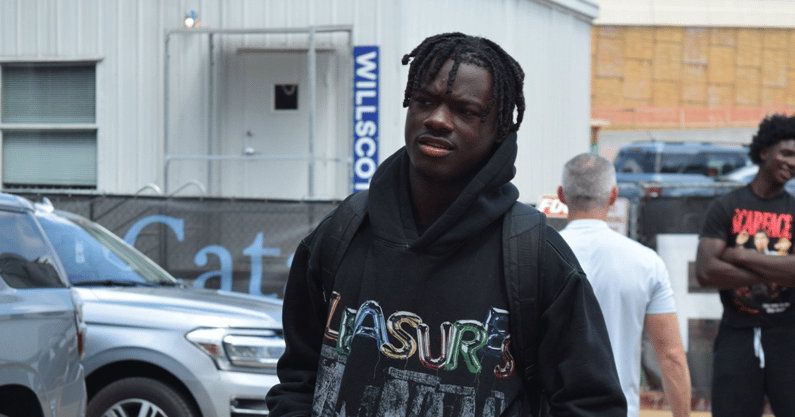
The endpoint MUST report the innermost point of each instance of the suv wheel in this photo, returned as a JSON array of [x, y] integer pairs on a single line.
[[142, 397]]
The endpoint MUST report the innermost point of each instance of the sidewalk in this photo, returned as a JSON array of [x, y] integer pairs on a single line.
[[660, 413], [653, 404]]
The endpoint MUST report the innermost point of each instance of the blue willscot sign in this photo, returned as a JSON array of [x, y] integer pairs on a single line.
[[365, 115]]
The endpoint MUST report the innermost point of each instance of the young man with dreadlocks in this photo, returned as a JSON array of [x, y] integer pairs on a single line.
[[737, 254], [418, 320]]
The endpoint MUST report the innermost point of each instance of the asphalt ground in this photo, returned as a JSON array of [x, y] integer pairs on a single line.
[[659, 413], [654, 404]]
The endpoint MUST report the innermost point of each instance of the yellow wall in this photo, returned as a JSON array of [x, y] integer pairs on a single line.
[[692, 67]]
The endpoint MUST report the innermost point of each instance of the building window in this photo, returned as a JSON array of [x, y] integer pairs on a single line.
[[285, 97], [48, 125]]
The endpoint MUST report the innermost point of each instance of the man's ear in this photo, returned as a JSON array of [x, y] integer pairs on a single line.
[[763, 153], [613, 196], [561, 197]]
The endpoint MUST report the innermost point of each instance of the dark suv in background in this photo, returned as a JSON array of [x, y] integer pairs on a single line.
[[654, 169]]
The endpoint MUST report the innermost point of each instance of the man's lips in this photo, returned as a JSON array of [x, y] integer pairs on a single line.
[[434, 147]]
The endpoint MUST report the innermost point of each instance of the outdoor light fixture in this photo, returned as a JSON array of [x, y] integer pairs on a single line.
[[190, 19]]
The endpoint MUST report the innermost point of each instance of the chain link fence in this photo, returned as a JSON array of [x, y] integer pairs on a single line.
[[680, 216], [241, 245]]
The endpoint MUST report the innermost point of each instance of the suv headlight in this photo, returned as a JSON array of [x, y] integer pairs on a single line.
[[239, 349]]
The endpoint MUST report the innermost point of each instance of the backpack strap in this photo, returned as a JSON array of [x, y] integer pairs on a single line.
[[524, 238], [344, 223]]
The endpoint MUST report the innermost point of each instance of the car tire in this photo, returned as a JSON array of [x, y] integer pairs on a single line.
[[131, 396]]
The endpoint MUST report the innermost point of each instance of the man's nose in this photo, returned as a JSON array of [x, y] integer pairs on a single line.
[[440, 119]]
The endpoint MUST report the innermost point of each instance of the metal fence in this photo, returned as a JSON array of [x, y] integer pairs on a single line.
[[681, 215], [234, 244], [242, 245]]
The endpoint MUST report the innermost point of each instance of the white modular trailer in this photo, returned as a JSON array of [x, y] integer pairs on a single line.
[[258, 98]]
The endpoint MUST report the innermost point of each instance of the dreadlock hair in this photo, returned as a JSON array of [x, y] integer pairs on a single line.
[[772, 129], [507, 75]]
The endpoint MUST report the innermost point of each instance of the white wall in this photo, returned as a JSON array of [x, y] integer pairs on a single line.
[[124, 37], [550, 38], [679, 252], [552, 43]]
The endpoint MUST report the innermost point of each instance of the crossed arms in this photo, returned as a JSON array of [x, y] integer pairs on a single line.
[[726, 268]]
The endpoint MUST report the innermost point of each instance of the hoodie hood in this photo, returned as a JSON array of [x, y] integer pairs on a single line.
[[484, 200]]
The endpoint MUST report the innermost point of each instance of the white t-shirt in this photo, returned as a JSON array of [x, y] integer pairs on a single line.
[[630, 281]]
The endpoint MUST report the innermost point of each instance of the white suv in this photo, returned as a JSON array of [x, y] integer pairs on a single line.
[[41, 327], [157, 348]]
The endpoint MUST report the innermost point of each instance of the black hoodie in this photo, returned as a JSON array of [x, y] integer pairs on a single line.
[[418, 324]]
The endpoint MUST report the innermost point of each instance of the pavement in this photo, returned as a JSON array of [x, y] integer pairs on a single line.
[[662, 413], [653, 404]]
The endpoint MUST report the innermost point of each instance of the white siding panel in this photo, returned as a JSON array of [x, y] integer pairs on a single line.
[[149, 140], [8, 27], [89, 27], [48, 27], [28, 29], [108, 133], [187, 109], [557, 88], [126, 85]]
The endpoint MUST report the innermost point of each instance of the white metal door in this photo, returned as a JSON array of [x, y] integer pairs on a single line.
[[276, 115]]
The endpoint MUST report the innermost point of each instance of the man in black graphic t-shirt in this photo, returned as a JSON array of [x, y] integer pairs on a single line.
[[745, 251]]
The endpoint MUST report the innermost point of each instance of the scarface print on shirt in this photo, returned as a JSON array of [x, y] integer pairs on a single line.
[[768, 233]]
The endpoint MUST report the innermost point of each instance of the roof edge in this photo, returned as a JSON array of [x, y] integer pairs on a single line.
[[584, 9]]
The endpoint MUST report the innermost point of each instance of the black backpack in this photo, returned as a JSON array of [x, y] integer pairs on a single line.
[[523, 236]]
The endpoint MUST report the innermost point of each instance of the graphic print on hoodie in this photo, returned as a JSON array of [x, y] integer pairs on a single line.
[[418, 324]]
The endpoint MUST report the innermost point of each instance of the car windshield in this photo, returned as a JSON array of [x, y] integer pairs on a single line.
[[635, 162], [25, 259], [676, 163], [710, 163], [92, 255]]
